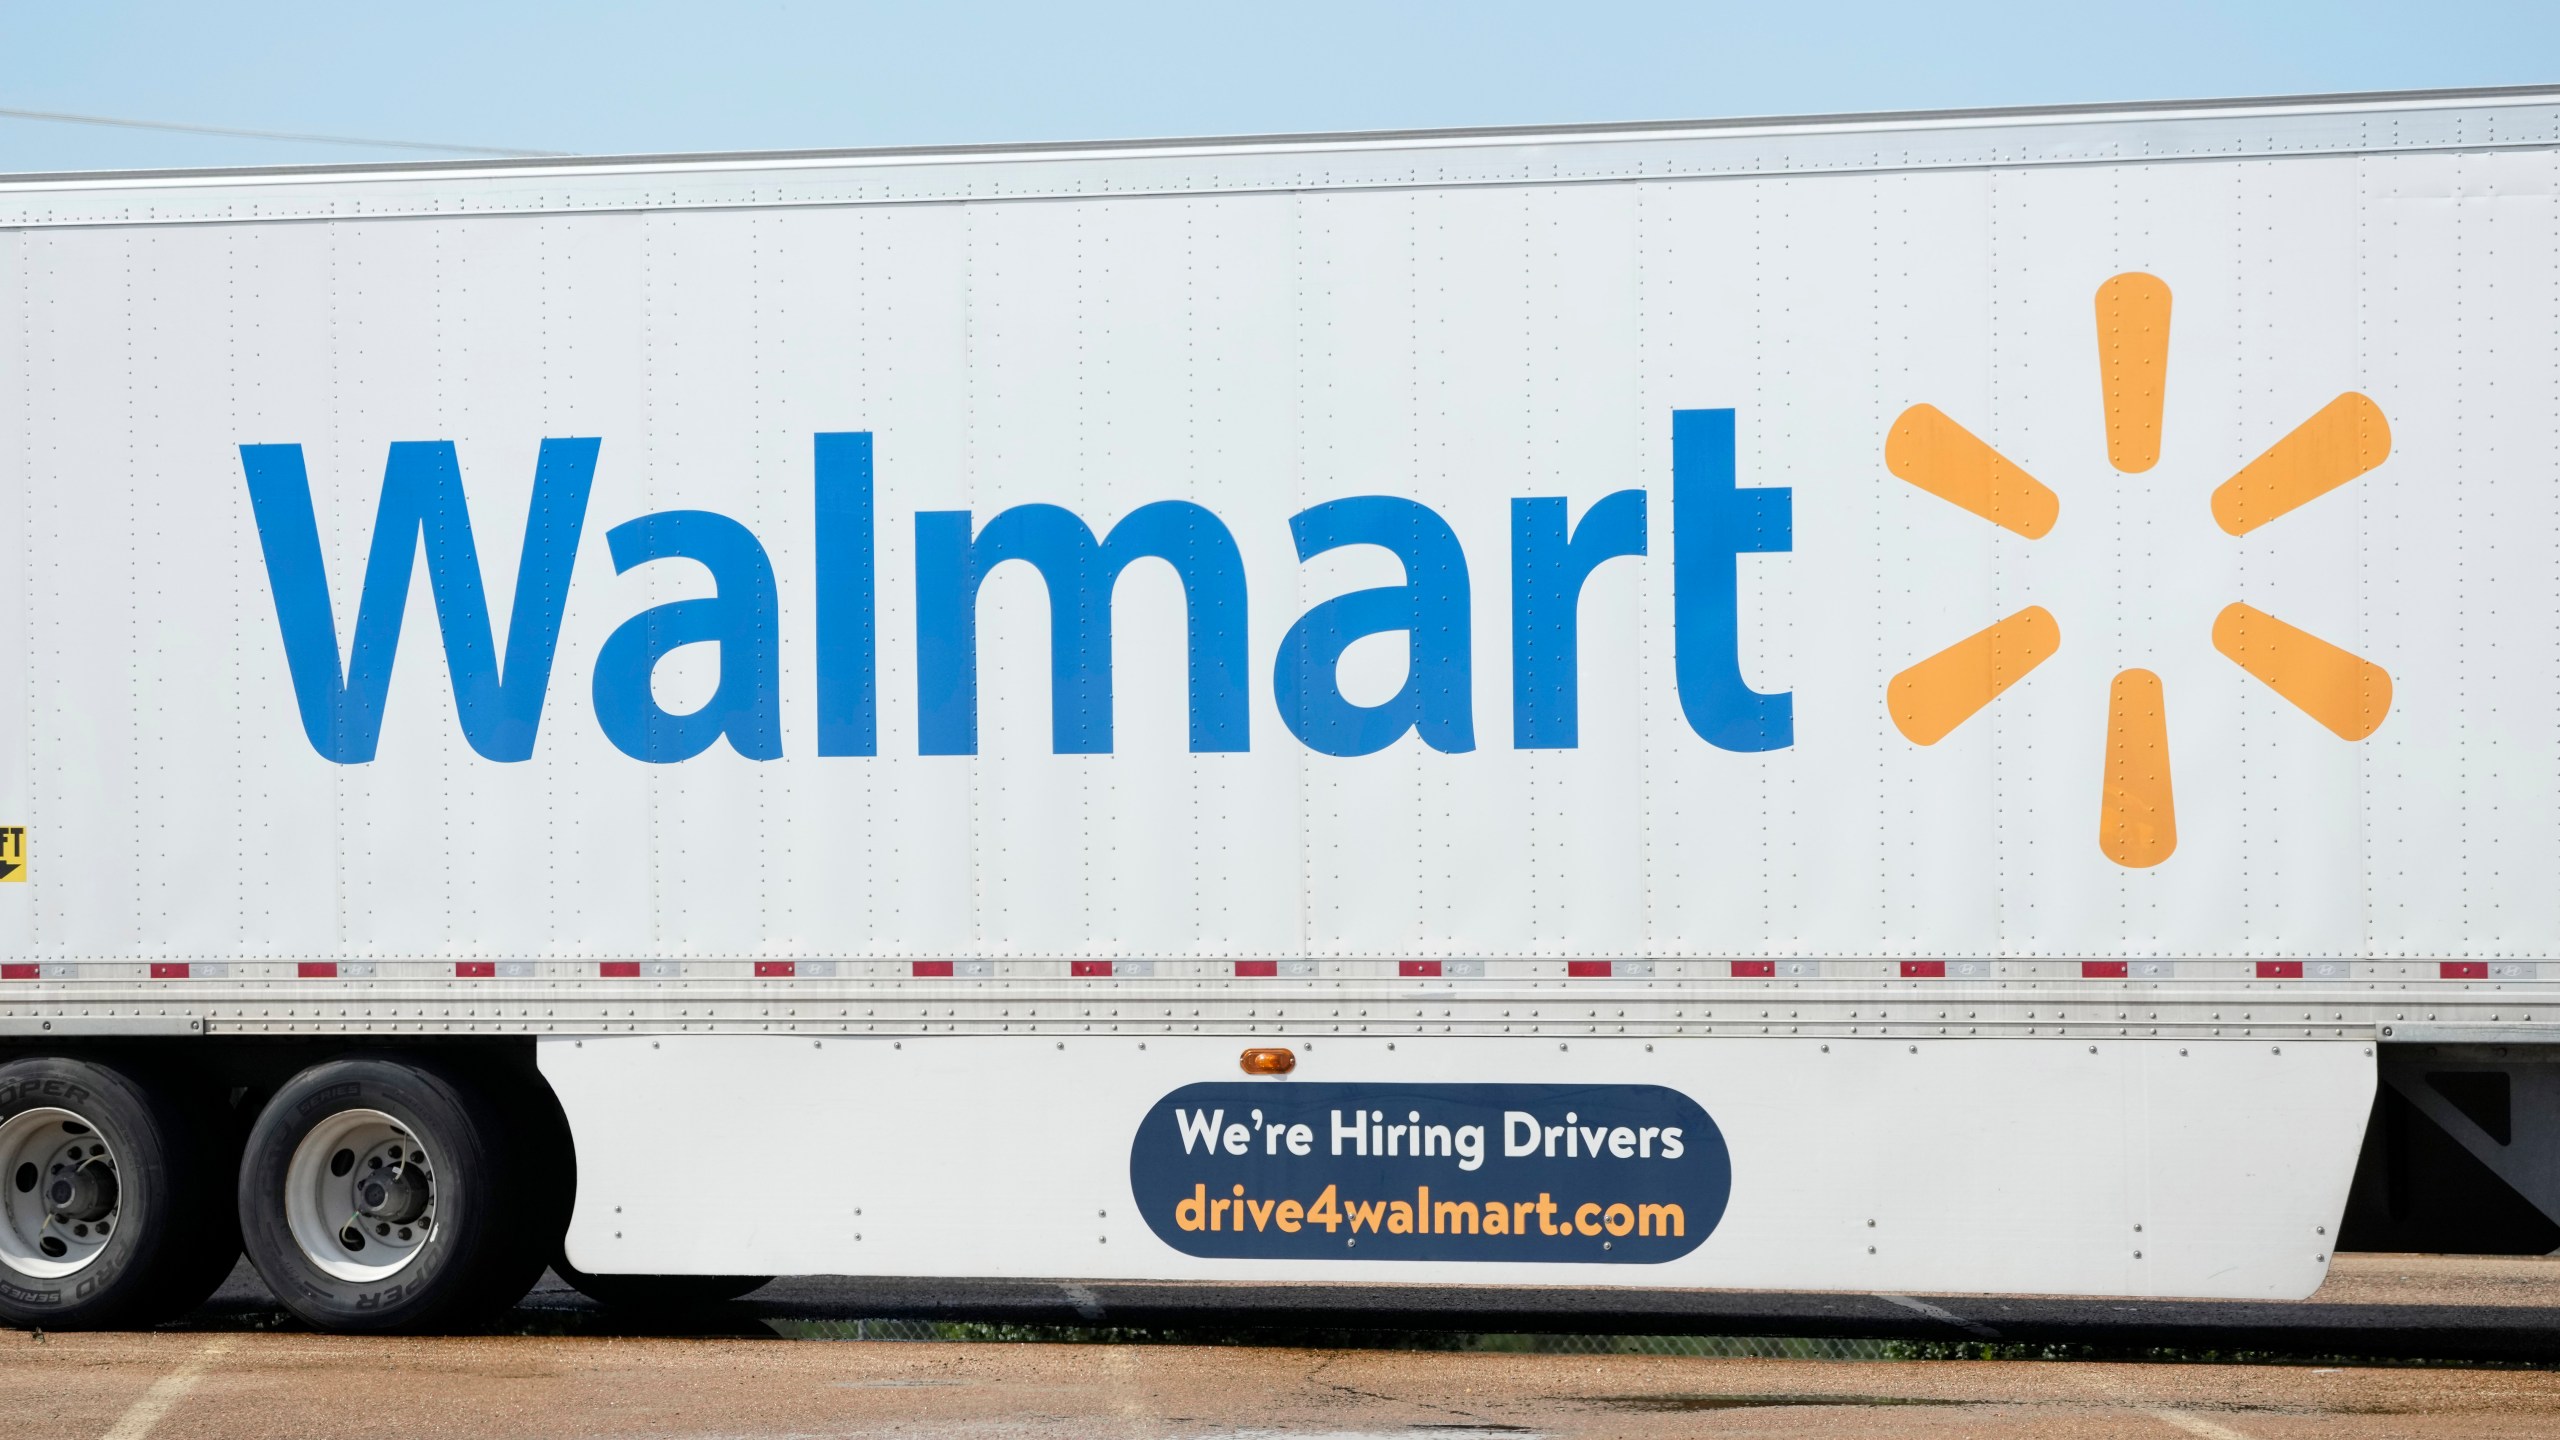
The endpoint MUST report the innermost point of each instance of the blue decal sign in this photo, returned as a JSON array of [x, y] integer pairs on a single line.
[[1609, 1174]]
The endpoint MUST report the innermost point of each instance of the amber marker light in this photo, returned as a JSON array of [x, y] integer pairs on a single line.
[[1273, 1061]]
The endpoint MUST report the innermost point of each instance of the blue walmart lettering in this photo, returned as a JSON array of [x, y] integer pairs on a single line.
[[1715, 520], [421, 496], [1080, 575]]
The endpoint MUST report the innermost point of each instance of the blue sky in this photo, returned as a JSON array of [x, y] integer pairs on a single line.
[[739, 75]]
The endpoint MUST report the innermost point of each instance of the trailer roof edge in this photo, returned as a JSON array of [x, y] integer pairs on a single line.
[[1982, 117]]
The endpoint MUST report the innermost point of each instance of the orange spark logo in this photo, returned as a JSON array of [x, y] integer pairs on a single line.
[[2137, 819]]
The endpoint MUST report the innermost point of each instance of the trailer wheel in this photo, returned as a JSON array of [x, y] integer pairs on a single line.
[[658, 1293], [375, 1195], [111, 1203]]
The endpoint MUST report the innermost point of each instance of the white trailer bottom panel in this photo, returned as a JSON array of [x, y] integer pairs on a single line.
[[2213, 1168]]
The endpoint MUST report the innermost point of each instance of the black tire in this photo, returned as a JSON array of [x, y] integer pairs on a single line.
[[658, 1294], [483, 1236], [170, 1236]]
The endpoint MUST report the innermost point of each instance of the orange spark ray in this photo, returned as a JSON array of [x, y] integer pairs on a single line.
[[1942, 457], [1932, 698], [2133, 366], [2138, 819], [2343, 691], [2347, 438]]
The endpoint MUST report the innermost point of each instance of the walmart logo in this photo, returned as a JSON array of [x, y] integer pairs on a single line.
[[2137, 817]]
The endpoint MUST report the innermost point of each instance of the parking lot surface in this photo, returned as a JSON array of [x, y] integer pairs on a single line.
[[558, 1368], [224, 1385]]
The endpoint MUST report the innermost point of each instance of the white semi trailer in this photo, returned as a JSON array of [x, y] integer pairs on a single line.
[[1923, 702]]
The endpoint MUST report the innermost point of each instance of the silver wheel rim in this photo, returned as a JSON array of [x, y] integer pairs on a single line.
[[61, 1195], [360, 1196]]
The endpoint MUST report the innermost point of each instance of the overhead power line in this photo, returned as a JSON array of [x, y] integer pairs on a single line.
[[122, 123]]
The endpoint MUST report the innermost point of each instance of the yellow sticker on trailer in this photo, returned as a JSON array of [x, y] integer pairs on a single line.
[[13, 854]]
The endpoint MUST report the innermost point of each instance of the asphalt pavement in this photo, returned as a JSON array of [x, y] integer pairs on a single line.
[[1331, 1363], [235, 1385]]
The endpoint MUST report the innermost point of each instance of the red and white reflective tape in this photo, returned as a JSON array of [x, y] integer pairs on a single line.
[[1608, 969], [1112, 969]]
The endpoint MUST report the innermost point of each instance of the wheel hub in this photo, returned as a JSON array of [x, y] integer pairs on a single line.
[[360, 1196], [396, 1194], [87, 1192]]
